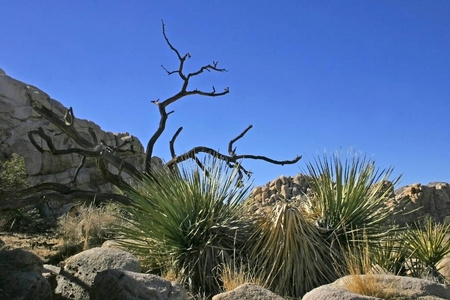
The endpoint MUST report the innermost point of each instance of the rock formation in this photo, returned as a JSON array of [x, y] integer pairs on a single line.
[[17, 119], [432, 199]]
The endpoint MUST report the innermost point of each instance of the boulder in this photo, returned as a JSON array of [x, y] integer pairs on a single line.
[[248, 291], [75, 280], [21, 276], [396, 287], [126, 285], [18, 118]]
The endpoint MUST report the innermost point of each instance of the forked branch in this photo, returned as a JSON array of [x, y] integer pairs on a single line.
[[232, 159], [162, 105]]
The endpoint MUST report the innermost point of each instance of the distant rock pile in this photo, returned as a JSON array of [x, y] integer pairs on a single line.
[[432, 199], [284, 188]]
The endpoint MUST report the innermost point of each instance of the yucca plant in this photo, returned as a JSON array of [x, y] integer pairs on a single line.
[[390, 255], [428, 244], [188, 221], [291, 255], [349, 197]]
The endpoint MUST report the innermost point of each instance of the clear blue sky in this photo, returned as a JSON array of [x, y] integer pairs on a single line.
[[309, 75]]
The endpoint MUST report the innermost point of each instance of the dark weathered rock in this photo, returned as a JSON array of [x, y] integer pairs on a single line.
[[248, 291], [21, 276], [125, 285], [76, 278]]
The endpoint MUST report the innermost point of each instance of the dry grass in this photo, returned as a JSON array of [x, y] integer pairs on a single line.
[[363, 279], [88, 226], [233, 276], [171, 275]]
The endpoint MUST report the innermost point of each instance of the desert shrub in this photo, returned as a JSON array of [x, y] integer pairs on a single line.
[[13, 178], [88, 226], [188, 221], [26, 219], [349, 198], [427, 244], [13, 174], [238, 273], [291, 254]]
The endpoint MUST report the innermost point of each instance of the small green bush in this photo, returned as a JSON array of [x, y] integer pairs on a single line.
[[13, 174], [13, 178]]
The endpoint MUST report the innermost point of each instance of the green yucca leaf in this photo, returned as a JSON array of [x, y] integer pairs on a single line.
[[428, 244], [188, 220], [349, 196]]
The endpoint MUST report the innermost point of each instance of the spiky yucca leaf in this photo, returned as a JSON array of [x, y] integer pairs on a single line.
[[390, 255], [292, 256], [188, 221], [349, 197], [428, 244]]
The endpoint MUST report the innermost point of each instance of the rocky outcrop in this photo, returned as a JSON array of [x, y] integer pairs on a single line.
[[21, 276], [126, 285], [391, 286], [432, 199], [17, 119], [77, 277], [284, 188]]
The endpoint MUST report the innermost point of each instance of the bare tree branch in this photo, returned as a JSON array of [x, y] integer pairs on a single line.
[[182, 93], [107, 157], [102, 152], [232, 159], [232, 151], [172, 142]]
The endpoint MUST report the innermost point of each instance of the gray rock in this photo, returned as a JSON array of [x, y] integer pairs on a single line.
[[125, 285], [397, 286], [18, 118], [21, 276], [77, 277], [330, 292], [248, 291]]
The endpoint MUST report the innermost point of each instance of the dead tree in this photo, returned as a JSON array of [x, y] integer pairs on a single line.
[[108, 156]]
